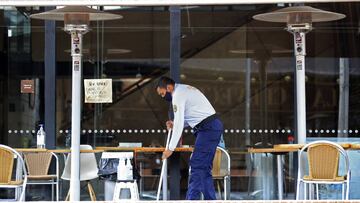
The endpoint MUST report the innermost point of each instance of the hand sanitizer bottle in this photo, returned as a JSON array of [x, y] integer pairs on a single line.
[[121, 169], [40, 138], [129, 169]]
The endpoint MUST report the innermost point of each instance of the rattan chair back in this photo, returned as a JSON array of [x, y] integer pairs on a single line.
[[38, 163], [221, 163], [6, 165], [323, 161], [217, 163]]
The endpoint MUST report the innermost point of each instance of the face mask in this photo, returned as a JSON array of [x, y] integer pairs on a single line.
[[168, 97]]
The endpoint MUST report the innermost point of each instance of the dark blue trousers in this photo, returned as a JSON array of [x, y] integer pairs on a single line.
[[200, 180]]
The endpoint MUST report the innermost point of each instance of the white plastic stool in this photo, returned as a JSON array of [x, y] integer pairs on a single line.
[[131, 185]]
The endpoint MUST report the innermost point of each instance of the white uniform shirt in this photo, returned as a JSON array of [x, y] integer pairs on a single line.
[[190, 107]]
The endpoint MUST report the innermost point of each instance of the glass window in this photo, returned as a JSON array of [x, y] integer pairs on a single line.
[[246, 68]]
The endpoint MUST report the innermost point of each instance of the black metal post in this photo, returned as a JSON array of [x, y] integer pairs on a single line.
[[175, 56], [50, 83], [175, 40]]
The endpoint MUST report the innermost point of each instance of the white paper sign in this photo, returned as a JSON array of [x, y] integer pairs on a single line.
[[98, 90]]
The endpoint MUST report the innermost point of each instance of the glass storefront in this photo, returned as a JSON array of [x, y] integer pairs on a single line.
[[245, 68]]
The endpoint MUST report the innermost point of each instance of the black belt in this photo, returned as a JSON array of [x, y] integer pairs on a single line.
[[205, 121]]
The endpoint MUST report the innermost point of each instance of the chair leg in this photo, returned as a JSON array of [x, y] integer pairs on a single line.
[[225, 192], [250, 175], [219, 188], [284, 181], [134, 191], [347, 190], [305, 191], [343, 191], [22, 196], [67, 196], [57, 190], [52, 192], [91, 191], [311, 194], [317, 191], [298, 190]]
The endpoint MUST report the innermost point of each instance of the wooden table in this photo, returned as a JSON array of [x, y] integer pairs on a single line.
[[106, 149], [144, 149], [272, 150], [24, 150], [299, 146], [355, 147], [284, 148]]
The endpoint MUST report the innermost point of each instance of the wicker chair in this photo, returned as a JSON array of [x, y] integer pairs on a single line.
[[7, 155], [221, 170], [323, 163], [38, 164]]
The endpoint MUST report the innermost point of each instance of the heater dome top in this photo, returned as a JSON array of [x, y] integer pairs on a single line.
[[59, 14], [299, 14]]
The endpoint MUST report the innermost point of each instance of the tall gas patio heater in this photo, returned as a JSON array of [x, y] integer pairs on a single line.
[[76, 23], [299, 21]]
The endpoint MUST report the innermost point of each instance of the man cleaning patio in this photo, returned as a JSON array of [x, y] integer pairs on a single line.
[[191, 108]]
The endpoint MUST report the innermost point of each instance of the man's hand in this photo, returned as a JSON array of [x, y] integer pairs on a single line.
[[169, 124], [166, 154]]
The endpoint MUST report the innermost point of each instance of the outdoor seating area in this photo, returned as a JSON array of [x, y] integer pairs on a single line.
[[320, 163], [186, 101]]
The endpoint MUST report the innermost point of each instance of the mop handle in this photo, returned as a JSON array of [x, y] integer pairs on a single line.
[[163, 167], [168, 139]]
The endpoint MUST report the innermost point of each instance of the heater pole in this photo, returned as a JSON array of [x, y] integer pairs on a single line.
[[299, 21], [300, 52], [76, 53], [76, 20], [76, 42]]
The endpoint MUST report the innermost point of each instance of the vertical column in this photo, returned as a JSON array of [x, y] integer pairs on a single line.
[[280, 176], [343, 97], [175, 42], [50, 83], [98, 72], [247, 99], [5, 59], [266, 166], [76, 53], [300, 93], [249, 163], [299, 49], [175, 55], [263, 100]]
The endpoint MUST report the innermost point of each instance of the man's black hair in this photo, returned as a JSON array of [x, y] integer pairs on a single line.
[[164, 81]]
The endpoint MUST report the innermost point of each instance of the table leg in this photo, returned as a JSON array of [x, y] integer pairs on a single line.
[[174, 172], [164, 181], [141, 183], [266, 171], [280, 176]]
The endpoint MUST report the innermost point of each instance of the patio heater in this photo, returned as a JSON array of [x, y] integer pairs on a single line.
[[76, 23], [299, 21]]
